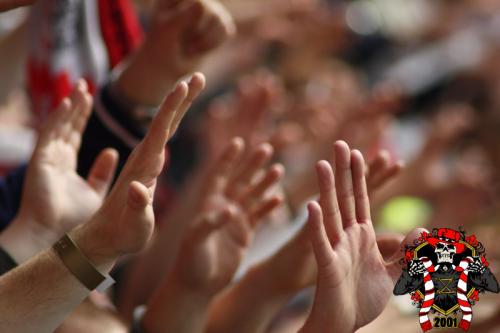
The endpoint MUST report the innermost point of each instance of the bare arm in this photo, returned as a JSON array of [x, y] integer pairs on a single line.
[[252, 303], [38, 295]]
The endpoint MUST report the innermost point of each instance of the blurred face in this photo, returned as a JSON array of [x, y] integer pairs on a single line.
[[11, 4]]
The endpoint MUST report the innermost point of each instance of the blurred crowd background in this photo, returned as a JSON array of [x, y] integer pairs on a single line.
[[419, 79]]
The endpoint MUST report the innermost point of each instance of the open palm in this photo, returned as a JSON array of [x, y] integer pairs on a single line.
[[55, 197], [125, 221], [234, 198], [354, 282]]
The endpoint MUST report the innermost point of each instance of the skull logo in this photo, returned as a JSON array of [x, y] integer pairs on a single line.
[[445, 252]]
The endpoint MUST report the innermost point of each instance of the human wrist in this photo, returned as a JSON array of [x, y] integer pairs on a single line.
[[97, 251], [175, 307], [322, 320], [143, 82], [24, 238]]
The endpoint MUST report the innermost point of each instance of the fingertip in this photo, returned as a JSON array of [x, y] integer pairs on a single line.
[[198, 79], [182, 88], [228, 214], [357, 160], [384, 155], [357, 154], [266, 148], [323, 166], [314, 208], [82, 85], [278, 170], [138, 195], [277, 200], [238, 142], [66, 104], [112, 153], [341, 145], [324, 172], [342, 153]]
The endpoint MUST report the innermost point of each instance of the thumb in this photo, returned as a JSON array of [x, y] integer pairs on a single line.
[[137, 219], [138, 197], [103, 170], [393, 264]]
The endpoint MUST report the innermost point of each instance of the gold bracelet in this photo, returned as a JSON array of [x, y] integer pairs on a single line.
[[80, 266]]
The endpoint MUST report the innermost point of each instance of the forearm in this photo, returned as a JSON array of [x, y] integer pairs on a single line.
[[248, 306], [22, 240], [325, 318], [175, 309], [147, 271], [144, 78], [38, 295]]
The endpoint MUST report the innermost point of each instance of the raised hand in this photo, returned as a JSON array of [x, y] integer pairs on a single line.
[[279, 277], [354, 282], [125, 221], [180, 34], [234, 199], [380, 170], [247, 113], [55, 198]]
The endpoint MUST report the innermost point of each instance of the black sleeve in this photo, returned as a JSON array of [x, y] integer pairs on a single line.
[[6, 262], [407, 283], [11, 188], [485, 281], [98, 135]]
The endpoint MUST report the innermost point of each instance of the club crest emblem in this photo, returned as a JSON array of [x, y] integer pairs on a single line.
[[444, 272]]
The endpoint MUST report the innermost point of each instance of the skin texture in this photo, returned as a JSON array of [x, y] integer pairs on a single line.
[[234, 200], [351, 269], [239, 177], [91, 317], [55, 198], [291, 269], [181, 33], [122, 225], [129, 204]]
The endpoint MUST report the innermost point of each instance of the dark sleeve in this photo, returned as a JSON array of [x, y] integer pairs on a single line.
[[407, 283], [485, 280], [11, 188], [6, 262], [109, 126]]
